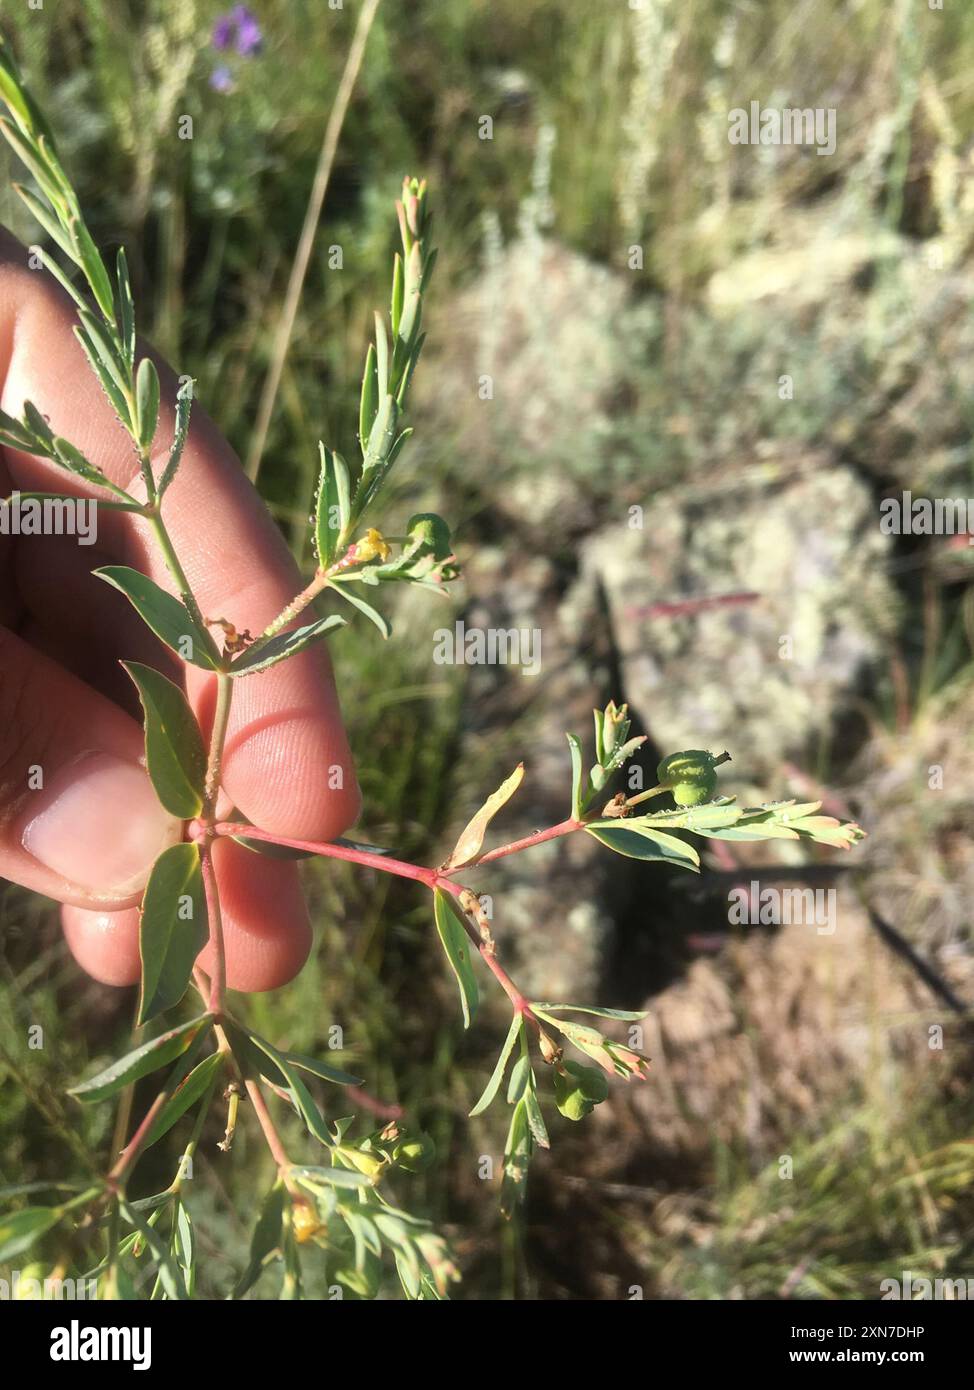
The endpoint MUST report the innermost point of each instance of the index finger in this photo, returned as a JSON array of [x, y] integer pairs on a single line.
[[287, 764]]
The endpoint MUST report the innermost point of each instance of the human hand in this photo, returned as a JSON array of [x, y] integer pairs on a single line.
[[79, 820]]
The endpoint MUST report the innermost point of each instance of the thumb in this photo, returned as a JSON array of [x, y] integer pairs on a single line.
[[79, 820]]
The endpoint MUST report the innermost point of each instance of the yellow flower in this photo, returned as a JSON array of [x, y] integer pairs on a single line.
[[304, 1220], [372, 544]]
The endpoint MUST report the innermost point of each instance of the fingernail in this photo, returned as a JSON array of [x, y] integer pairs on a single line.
[[100, 826]]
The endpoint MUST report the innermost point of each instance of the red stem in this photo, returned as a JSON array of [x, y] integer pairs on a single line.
[[278, 1152], [384, 862], [518, 1001], [565, 827], [128, 1156], [432, 878]]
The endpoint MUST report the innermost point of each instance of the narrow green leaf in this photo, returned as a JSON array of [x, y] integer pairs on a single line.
[[497, 1075], [174, 752], [574, 744], [74, 460], [410, 1277], [184, 405], [48, 221], [322, 1069], [145, 1059], [381, 436], [364, 1230], [381, 362], [282, 646], [333, 509], [172, 929], [109, 359], [165, 615], [166, 1265], [126, 307], [517, 1160], [755, 830], [115, 396], [694, 818], [369, 399], [266, 1241], [45, 177], [520, 1078], [15, 434], [94, 267], [409, 323], [458, 952], [471, 838], [146, 402], [535, 1118], [302, 1096], [373, 615], [110, 505], [644, 844], [23, 109], [184, 1247], [622, 1014], [21, 1229], [428, 268], [52, 267], [189, 1091], [38, 426], [410, 368], [395, 306], [578, 1033], [314, 1178]]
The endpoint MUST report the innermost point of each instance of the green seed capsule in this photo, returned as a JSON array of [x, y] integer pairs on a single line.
[[415, 1153], [690, 776], [579, 1089]]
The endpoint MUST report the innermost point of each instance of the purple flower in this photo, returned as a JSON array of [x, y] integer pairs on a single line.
[[249, 36], [223, 32], [239, 27], [221, 79]]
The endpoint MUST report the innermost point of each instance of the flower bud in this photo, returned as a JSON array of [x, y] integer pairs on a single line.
[[579, 1089], [690, 776]]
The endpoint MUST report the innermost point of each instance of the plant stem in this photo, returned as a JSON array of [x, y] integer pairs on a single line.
[[218, 979], [297, 605], [127, 1158], [186, 1157], [274, 1143], [218, 736], [432, 878], [302, 256], [644, 796], [488, 954], [164, 542], [113, 1236], [565, 827], [214, 765], [383, 862], [320, 581], [129, 1155]]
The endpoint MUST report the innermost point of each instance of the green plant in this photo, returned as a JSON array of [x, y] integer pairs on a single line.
[[343, 1203]]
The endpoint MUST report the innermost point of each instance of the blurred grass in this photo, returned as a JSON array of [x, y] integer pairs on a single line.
[[211, 223]]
